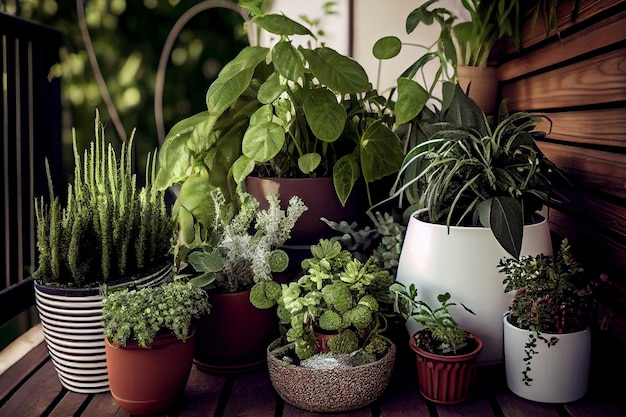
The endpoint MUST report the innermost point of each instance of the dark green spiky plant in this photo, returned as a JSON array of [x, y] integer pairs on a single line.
[[110, 228]]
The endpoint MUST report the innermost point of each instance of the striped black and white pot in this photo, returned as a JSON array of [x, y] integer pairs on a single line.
[[72, 326]]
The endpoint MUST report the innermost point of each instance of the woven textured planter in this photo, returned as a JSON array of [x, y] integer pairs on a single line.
[[72, 326], [317, 390], [446, 379]]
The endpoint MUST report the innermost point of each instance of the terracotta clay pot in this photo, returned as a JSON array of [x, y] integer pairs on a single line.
[[146, 381], [483, 85], [446, 379], [232, 339]]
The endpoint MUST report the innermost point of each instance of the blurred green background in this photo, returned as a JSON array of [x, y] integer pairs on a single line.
[[128, 37]]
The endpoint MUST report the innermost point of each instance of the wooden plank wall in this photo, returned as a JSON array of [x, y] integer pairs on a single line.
[[577, 76]]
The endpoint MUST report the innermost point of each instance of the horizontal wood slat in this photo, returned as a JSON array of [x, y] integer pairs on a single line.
[[596, 170], [587, 9], [605, 127], [599, 35], [600, 80], [589, 245]]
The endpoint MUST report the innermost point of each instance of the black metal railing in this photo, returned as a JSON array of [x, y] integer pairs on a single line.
[[30, 127]]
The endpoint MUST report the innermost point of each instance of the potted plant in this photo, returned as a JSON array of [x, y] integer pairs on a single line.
[[108, 231], [547, 330], [474, 190], [235, 257], [334, 315], [288, 112], [149, 337], [463, 49], [445, 353]]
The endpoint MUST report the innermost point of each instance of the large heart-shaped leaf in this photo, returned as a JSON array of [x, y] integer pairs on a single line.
[[325, 116], [380, 152], [340, 73], [412, 98], [345, 174], [505, 218], [234, 79], [280, 25], [287, 61]]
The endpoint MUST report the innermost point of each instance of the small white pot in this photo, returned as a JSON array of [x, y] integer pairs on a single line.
[[554, 374]]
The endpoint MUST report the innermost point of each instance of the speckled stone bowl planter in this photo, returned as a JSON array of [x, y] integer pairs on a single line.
[[329, 390]]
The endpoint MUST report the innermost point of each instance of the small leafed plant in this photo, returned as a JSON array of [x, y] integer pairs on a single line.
[[242, 250], [140, 314], [110, 228], [552, 295], [339, 295], [441, 333]]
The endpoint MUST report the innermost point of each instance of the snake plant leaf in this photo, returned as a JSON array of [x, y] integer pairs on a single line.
[[279, 24], [345, 173], [387, 47], [412, 98], [340, 73], [309, 162], [287, 62], [380, 152], [234, 79], [325, 116], [504, 216]]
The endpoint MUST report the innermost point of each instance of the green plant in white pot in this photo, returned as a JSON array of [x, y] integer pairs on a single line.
[[473, 189], [149, 335], [547, 331], [108, 230]]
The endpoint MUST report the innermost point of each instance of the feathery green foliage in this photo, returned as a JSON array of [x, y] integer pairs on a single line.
[[109, 228], [139, 314]]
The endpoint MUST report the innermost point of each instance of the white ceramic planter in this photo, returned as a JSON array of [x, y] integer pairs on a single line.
[[464, 262], [71, 320], [554, 374]]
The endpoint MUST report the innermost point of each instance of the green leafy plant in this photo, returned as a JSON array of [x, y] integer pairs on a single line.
[[241, 250], [441, 333], [140, 314], [285, 111], [382, 239], [109, 229], [337, 294], [476, 170], [552, 295]]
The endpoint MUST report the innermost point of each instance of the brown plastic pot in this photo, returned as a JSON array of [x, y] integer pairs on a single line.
[[319, 195], [232, 339], [147, 381], [446, 379]]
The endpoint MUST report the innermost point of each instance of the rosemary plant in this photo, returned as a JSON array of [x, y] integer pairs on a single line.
[[109, 229]]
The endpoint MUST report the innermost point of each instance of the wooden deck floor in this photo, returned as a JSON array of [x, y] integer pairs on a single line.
[[30, 388]]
